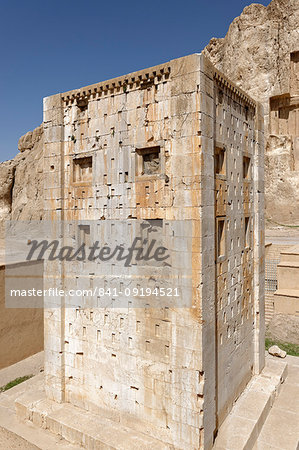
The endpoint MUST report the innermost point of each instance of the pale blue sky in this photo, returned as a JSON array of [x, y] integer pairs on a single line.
[[50, 47]]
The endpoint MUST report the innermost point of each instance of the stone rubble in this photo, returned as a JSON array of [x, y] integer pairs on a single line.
[[276, 351]]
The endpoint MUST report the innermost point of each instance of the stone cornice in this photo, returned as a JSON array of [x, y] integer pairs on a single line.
[[225, 83], [140, 79]]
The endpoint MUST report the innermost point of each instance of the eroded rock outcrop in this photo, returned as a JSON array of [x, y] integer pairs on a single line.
[[21, 181], [30, 139], [255, 54], [7, 176]]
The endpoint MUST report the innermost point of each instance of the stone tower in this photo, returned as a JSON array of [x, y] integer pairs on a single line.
[[174, 144]]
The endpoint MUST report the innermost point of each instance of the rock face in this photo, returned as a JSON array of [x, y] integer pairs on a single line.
[[7, 174], [255, 54], [30, 139], [21, 181]]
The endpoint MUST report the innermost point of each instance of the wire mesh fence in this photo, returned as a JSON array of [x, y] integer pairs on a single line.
[[271, 275]]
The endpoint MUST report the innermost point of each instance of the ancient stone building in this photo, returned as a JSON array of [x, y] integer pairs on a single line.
[[284, 113], [170, 145], [282, 151]]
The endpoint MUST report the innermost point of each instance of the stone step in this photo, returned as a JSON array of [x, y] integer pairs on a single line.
[[281, 429], [41, 438], [290, 254], [289, 263], [81, 427], [287, 301], [289, 258], [242, 426], [287, 293], [90, 431], [288, 276]]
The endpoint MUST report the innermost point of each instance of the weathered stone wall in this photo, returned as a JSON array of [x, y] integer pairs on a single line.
[[21, 330], [168, 383], [21, 198], [285, 320], [255, 54], [237, 202]]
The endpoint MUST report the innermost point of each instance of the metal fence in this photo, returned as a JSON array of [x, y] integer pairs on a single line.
[[271, 275]]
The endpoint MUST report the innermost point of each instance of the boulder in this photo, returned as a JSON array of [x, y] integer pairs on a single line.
[[276, 351]]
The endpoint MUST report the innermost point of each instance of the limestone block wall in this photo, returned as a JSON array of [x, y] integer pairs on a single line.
[[237, 203], [176, 142], [234, 250]]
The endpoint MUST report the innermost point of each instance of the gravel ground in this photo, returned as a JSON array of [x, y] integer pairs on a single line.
[[10, 441]]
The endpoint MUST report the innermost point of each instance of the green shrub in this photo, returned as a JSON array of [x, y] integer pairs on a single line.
[[291, 349], [15, 382]]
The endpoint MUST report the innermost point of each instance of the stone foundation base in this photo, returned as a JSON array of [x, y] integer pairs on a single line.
[[243, 425], [78, 426], [239, 431]]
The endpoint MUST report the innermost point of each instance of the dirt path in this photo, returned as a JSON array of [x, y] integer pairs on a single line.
[[10, 441]]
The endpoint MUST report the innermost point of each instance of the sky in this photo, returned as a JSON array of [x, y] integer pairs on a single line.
[[50, 47]]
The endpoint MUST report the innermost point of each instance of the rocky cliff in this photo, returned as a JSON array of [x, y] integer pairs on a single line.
[[21, 181], [255, 54]]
